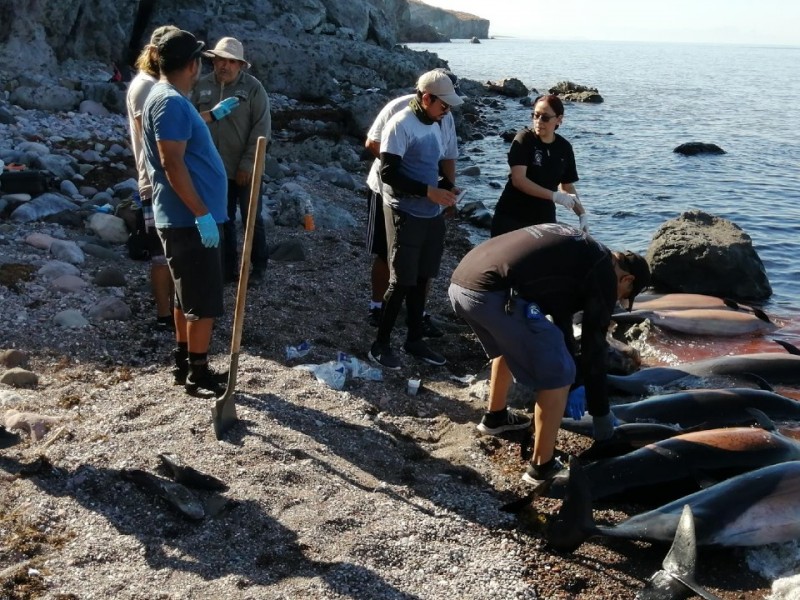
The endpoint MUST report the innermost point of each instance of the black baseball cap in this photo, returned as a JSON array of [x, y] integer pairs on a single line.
[[180, 46]]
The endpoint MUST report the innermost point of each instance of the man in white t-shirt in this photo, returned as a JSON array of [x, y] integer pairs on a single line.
[[414, 199], [376, 231]]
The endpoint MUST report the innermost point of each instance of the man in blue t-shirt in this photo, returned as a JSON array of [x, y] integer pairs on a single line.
[[189, 203]]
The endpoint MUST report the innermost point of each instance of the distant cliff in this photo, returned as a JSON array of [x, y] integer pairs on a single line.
[[428, 21]]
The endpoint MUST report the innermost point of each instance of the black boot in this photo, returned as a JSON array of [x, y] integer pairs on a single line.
[[204, 382], [181, 368]]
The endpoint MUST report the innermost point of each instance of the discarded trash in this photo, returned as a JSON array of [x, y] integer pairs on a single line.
[[413, 386], [359, 369], [106, 208], [332, 373], [301, 349], [466, 379]]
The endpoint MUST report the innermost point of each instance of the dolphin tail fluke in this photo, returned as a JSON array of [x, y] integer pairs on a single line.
[[574, 523], [676, 579], [790, 348]]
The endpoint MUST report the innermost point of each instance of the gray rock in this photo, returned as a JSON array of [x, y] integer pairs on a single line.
[[70, 319], [90, 107], [68, 252], [110, 277], [68, 283], [61, 166], [69, 189], [477, 214], [126, 189], [13, 358], [287, 251], [33, 148], [338, 177], [53, 269], [91, 156], [110, 309], [8, 398], [511, 87], [693, 148], [98, 251], [471, 171], [18, 377], [46, 204], [704, 254], [109, 228], [54, 98], [42, 241]]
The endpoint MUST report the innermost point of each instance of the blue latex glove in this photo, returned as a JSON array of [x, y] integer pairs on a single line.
[[209, 232], [576, 403], [224, 108], [603, 427]]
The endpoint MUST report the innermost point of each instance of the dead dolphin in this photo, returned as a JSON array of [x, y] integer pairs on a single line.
[[708, 408], [753, 509], [703, 321], [675, 580], [774, 367], [682, 301], [677, 466]]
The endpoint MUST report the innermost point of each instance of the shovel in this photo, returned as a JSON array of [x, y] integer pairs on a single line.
[[223, 414]]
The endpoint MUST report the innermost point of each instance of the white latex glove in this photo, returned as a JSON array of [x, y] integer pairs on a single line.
[[583, 221], [564, 199]]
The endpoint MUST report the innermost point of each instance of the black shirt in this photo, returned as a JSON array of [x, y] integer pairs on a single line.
[[564, 271], [548, 165]]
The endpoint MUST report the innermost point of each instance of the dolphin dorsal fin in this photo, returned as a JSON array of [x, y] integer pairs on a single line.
[[762, 420], [790, 348]]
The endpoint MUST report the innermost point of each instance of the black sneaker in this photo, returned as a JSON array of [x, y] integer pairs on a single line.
[[420, 350], [500, 421], [202, 381], [430, 329], [374, 317], [383, 355], [538, 474]]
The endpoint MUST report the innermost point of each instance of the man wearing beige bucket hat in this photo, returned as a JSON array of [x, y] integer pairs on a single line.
[[235, 137]]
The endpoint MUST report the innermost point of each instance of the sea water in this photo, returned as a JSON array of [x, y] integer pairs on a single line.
[[656, 97]]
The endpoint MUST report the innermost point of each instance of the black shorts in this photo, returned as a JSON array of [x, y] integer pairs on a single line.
[[416, 246], [376, 228], [196, 271]]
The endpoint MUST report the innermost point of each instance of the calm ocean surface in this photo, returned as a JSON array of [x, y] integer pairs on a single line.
[[658, 96]]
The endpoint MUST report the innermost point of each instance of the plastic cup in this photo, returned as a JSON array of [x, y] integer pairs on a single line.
[[413, 387]]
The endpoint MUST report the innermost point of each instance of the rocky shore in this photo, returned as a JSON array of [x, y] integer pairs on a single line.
[[365, 492]]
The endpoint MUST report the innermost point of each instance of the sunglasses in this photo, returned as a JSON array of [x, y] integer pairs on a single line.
[[445, 105], [543, 117]]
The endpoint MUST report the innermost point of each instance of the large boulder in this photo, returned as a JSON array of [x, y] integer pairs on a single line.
[[510, 86], [704, 254]]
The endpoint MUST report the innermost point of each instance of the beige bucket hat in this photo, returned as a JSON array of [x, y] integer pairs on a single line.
[[228, 47]]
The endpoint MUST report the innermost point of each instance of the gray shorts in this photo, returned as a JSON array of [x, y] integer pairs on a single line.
[[196, 271], [415, 246], [534, 349]]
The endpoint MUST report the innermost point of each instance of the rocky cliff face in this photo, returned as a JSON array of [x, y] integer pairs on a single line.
[[448, 23], [310, 49]]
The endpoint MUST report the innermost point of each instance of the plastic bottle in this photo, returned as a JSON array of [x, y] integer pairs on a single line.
[[301, 349], [333, 374]]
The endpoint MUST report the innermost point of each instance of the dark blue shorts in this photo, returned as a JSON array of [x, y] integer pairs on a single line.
[[535, 350]]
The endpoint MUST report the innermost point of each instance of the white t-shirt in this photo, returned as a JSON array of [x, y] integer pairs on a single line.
[[448, 129], [420, 147], [138, 90]]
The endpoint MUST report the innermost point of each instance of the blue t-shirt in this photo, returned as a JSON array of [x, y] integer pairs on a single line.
[[168, 115]]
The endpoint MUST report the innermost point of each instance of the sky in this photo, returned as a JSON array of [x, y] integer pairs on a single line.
[[771, 22]]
